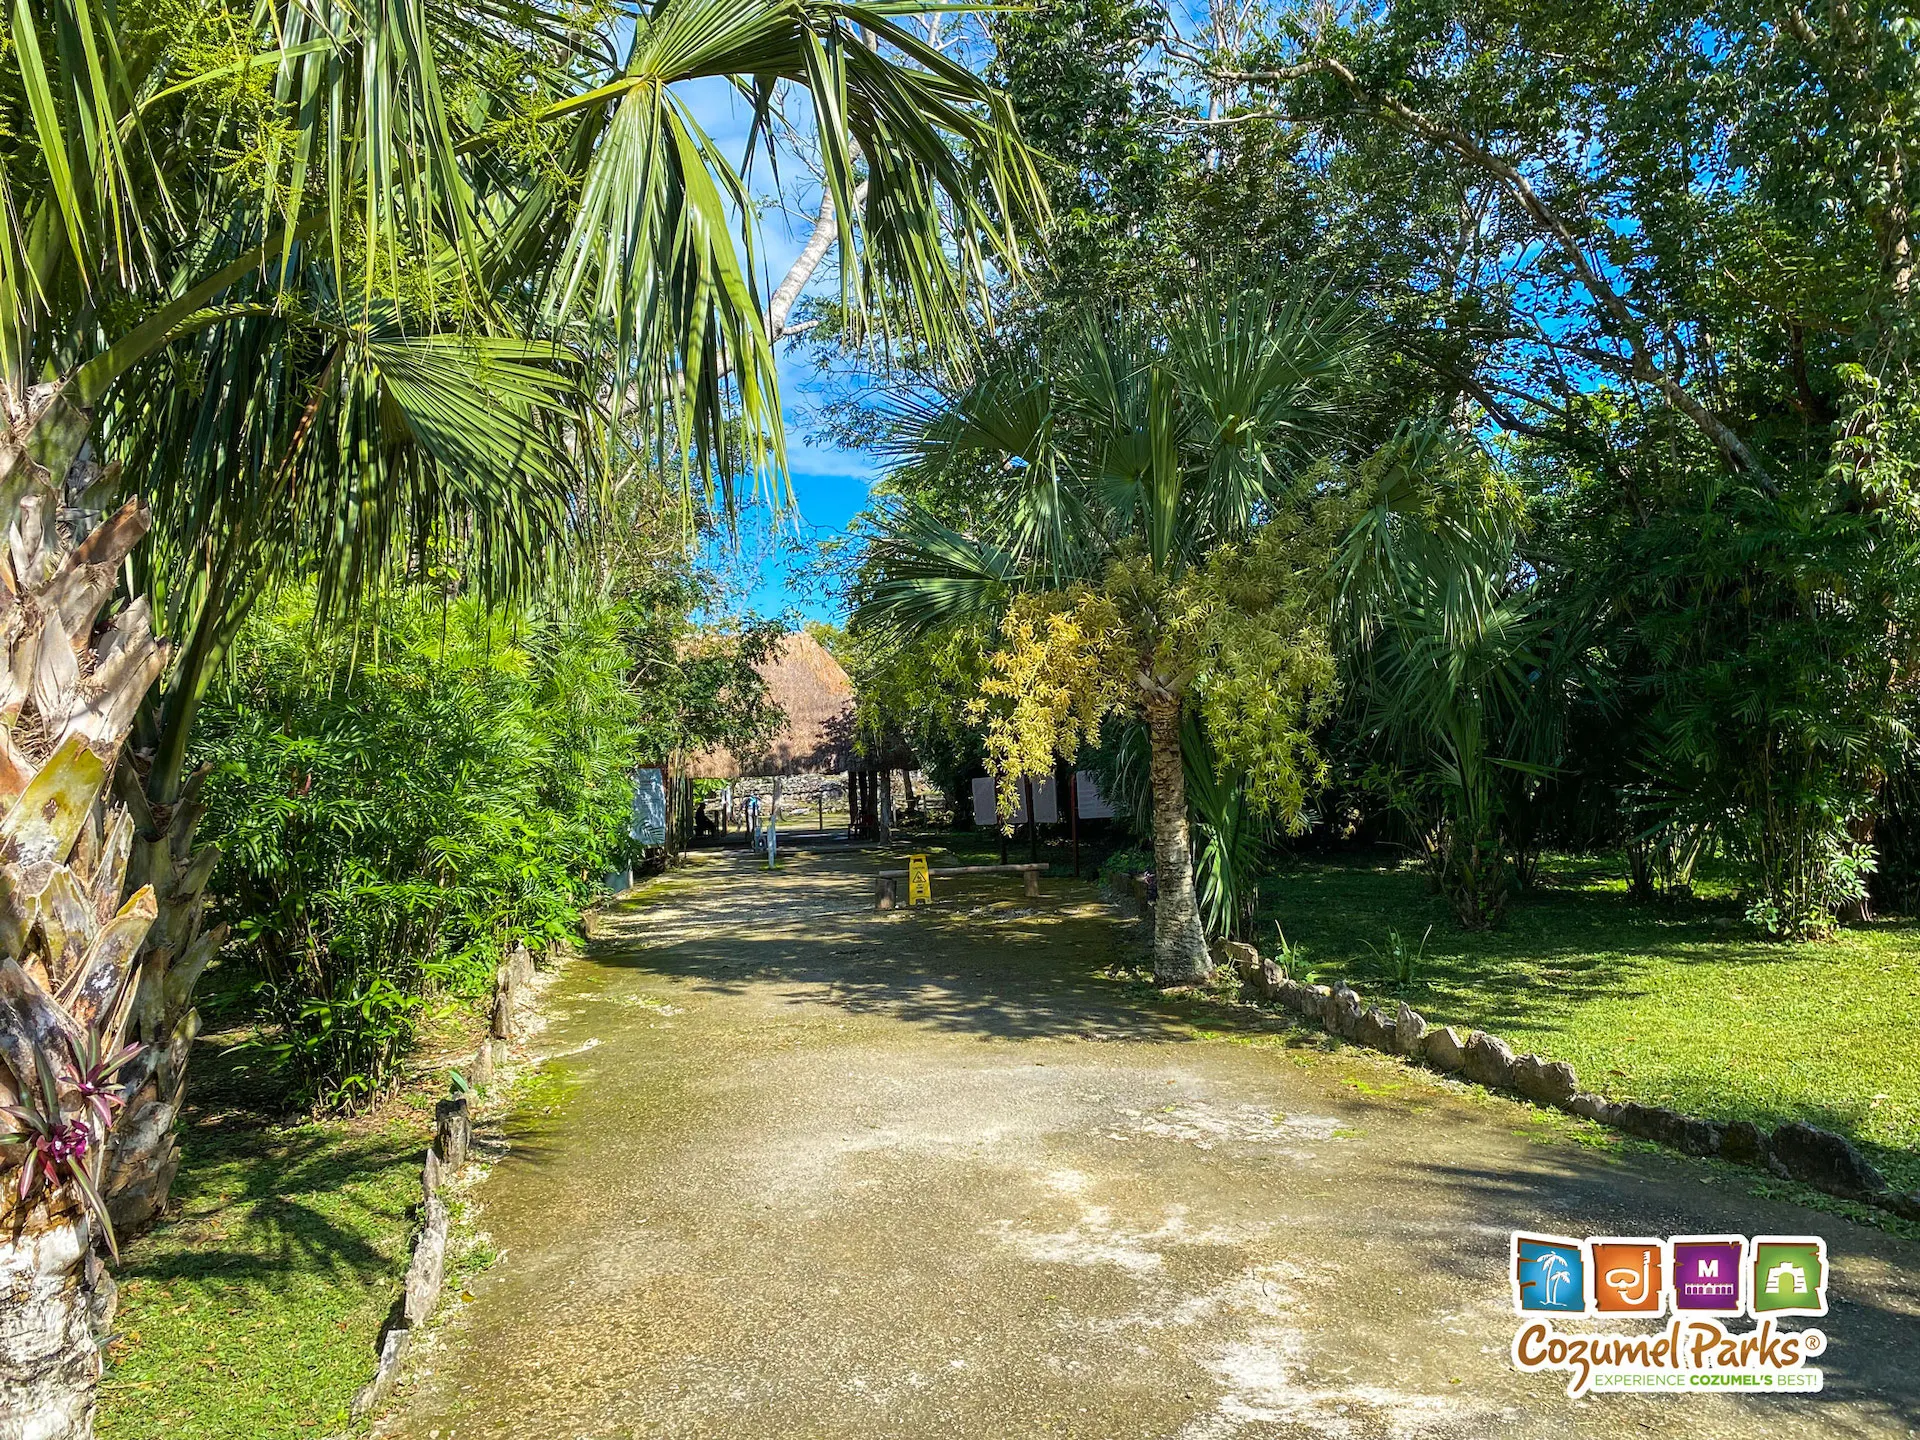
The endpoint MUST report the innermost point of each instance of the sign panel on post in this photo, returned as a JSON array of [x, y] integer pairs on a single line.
[[985, 812], [1093, 805], [650, 806]]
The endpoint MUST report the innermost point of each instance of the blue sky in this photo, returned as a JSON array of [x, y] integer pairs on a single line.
[[830, 485]]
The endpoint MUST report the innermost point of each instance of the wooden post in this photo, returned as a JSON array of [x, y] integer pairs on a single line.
[[773, 825], [452, 1130], [1073, 817], [821, 796]]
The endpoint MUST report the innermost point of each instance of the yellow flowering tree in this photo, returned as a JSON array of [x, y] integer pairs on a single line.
[[1137, 524]]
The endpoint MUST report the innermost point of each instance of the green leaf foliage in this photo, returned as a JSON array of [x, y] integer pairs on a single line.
[[399, 804]]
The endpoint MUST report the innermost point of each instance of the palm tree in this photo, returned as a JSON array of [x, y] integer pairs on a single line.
[[69, 977], [335, 324], [1232, 836], [580, 181], [1458, 674], [1122, 457]]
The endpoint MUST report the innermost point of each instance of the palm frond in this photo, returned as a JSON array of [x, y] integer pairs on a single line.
[[923, 576], [1121, 436], [343, 445]]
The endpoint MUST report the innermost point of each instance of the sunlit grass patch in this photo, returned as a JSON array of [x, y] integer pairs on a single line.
[[1682, 1005], [254, 1311]]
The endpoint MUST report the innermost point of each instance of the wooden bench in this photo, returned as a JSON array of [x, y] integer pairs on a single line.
[[884, 892]]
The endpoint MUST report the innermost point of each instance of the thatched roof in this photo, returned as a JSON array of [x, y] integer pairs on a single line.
[[817, 698]]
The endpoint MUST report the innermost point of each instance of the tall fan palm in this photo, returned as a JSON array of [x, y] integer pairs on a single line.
[[430, 445], [367, 288], [149, 180], [1461, 676], [1127, 448]]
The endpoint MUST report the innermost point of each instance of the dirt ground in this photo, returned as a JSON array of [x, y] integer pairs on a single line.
[[800, 1169]]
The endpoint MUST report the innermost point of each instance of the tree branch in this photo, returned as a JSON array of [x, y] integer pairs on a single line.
[[826, 230], [1641, 364], [1500, 413]]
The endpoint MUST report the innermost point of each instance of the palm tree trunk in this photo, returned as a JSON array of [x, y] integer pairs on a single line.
[[64, 982], [143, 1153], [1179, 942], [49, 1347]]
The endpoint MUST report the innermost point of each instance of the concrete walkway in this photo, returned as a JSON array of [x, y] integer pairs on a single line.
[[802, 1170]]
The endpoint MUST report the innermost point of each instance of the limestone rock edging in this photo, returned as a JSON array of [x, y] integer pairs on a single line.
[[509, 1018], [1489, 1060], [1794, 1150], [1445, 1051]]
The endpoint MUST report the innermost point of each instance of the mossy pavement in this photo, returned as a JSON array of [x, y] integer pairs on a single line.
[[804, 1169]]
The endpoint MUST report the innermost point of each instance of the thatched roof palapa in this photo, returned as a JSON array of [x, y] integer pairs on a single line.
[[816, 697]]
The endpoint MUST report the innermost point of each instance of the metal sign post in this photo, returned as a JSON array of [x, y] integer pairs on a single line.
[[1073, 816]]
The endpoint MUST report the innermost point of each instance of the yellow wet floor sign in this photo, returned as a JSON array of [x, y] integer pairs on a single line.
[[919, 885]]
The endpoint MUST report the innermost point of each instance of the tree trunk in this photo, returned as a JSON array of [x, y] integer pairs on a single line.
[[143, 1153], [49, 1348], [1179, 942], [72, 684]]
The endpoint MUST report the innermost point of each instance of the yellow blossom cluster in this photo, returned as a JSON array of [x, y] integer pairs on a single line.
[[1061, 668], [1242, 635]]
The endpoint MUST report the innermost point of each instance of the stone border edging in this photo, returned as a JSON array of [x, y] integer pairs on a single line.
[[427, 1267], [1793, 1151], [513, 994]]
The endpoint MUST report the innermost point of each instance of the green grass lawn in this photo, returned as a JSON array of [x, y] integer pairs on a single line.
[[1672, 1004], [253, 1308]]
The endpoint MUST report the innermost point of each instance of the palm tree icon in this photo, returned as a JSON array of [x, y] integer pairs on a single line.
[[1551, 1274]]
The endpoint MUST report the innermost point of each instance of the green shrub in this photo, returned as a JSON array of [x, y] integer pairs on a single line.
[[1118, 867], [399, 803]]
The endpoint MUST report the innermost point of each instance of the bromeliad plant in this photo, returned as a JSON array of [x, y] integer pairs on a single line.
[[64, 1118]]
